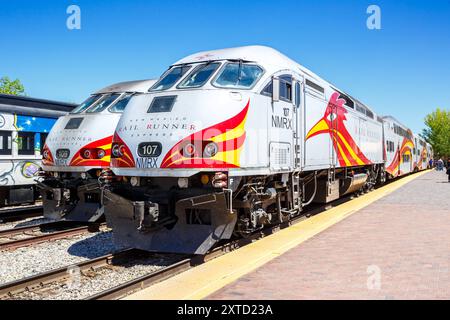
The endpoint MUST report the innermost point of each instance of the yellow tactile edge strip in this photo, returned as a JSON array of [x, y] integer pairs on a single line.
[[201, 281]]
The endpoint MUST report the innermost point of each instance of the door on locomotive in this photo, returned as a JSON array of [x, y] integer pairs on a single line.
[[285, 121]]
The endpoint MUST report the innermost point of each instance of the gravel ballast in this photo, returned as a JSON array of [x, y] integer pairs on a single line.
[[29, 261], [82, 287]]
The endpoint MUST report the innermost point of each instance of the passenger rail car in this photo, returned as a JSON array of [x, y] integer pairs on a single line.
[[422, 155], [405, 152], [78, 148], [228, 141], [24, 125]]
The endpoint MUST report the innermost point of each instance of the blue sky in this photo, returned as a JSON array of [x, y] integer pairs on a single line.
[[402, 69]]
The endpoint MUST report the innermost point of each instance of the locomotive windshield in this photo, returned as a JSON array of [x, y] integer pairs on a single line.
[[170, 78], [199, 75], [87, 103], [104, 103], [238, 75], [120, 105]]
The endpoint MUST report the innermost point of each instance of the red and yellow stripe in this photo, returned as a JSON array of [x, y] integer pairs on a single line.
[[105, 144], [229, 136], [348, 152]]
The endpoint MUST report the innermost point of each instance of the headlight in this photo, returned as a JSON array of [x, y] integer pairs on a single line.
[[86, 154], [189, 150], [116, 152], [183, 183], [210, 150], [101, 153], [134, 181]]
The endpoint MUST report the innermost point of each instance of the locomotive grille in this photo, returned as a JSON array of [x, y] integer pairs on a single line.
[[280, 156]]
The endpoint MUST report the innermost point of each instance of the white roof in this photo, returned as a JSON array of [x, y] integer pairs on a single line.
[[129, 86], [263, 55], [271, 59], [395, 120]]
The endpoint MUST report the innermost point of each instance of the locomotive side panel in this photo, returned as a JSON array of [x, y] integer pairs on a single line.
[[340, 136], [317, 149], [254, 156], [367, 133]]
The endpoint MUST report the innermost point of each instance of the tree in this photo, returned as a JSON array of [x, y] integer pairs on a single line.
[[437, 132], [11, 87]]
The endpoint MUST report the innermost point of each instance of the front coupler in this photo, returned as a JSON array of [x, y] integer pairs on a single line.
[[80, 201], [195, 226]]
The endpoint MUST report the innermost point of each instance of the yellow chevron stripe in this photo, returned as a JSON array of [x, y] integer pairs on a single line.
[[349, 148], [231, 134], [341, 153]]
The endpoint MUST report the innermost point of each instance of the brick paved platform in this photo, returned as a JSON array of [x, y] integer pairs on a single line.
[[396, 248]]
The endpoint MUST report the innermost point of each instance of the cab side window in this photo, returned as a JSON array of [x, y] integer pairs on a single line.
[[286, 88], [268, 89]]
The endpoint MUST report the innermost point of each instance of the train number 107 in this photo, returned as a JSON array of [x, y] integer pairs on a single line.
[[149, 149]]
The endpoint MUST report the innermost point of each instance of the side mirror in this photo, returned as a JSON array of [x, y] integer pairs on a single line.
[[275, 89]]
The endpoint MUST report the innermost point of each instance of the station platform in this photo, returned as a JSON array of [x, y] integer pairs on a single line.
[[392, 243]]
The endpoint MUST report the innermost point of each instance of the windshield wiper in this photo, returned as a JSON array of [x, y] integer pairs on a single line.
[[239, 72]]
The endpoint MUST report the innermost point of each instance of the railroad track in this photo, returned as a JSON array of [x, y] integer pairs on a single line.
[[183, 265], [20, 213], [31, 235], [44, 284], [48, 283]]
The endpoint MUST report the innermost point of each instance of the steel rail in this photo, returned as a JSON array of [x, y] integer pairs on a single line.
[[33, 283], [41, 280], [152, 278], [40, 238]]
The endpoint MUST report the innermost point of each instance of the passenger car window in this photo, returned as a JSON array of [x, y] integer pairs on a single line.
[[5, 143], [170, 77], [238, 75], [25, 142], [199, 76]]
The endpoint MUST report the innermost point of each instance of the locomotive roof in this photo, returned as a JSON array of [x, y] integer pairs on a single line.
[[271, 59], [263, 55], [129, 86], [34, 106]]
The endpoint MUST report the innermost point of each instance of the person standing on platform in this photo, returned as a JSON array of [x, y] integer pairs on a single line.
[[448, 169], [440, 165]]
